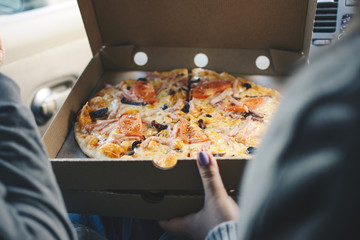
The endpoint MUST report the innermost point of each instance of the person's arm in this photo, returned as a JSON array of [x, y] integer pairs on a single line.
[[224, 231], [31, 206], [303, 183]]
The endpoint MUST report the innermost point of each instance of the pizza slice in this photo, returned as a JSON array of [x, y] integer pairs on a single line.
[[235, 112], [129, 120]]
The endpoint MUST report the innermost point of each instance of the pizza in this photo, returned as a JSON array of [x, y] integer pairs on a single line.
[[165, 116]]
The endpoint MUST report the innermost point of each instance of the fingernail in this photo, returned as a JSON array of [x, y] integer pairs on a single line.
[[203, 159]]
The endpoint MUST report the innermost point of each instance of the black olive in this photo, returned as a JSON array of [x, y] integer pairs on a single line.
[[201, 124], [171, 92], [195, 80], [135, 145], [254, 116], [131, 153], [246, 114], [142, 79], [125, 101], [158, 126], [99, 113], [128, 87], [208, 115], [251, 150], [247, 85], [164, 107], [178, 149], [186, 108], [251, 96]]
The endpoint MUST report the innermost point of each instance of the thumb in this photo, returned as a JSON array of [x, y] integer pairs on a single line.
[[210, 175]]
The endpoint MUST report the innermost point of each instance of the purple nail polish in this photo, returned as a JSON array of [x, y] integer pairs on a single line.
[[203, 159]]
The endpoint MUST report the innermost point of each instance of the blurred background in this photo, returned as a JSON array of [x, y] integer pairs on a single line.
[[46, 51]]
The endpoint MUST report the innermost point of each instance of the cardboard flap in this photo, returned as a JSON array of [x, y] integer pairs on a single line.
[[55, 135], [230, 60], [282, 60], [117, 57], [232, 24]]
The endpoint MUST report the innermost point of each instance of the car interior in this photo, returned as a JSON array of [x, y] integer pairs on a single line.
[[53, 49], [49, 60]]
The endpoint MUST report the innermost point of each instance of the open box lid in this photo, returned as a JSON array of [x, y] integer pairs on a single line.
[[231, 33]]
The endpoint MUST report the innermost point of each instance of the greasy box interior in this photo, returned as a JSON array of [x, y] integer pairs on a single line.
[[231, 33]]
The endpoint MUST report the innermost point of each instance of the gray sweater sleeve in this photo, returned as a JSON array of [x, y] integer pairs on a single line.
[[224, 231], [31, 206], [303, 183]]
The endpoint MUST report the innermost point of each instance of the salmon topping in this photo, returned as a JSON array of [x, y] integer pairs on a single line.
[[191, 132], [131, 125], [144, 91], [244, 105], [208, 89]]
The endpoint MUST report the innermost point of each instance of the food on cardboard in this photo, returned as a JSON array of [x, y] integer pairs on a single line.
[[166, 116]]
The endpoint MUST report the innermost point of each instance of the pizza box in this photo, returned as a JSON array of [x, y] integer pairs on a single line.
[[260, 39]]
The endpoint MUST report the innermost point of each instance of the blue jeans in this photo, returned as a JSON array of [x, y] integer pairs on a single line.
[[94, 227]]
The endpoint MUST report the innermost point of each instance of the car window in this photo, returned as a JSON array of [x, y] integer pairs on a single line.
[[46, 49], [16, 6]]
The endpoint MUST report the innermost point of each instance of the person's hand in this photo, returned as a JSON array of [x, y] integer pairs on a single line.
[[2, 51], [218, 206]]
